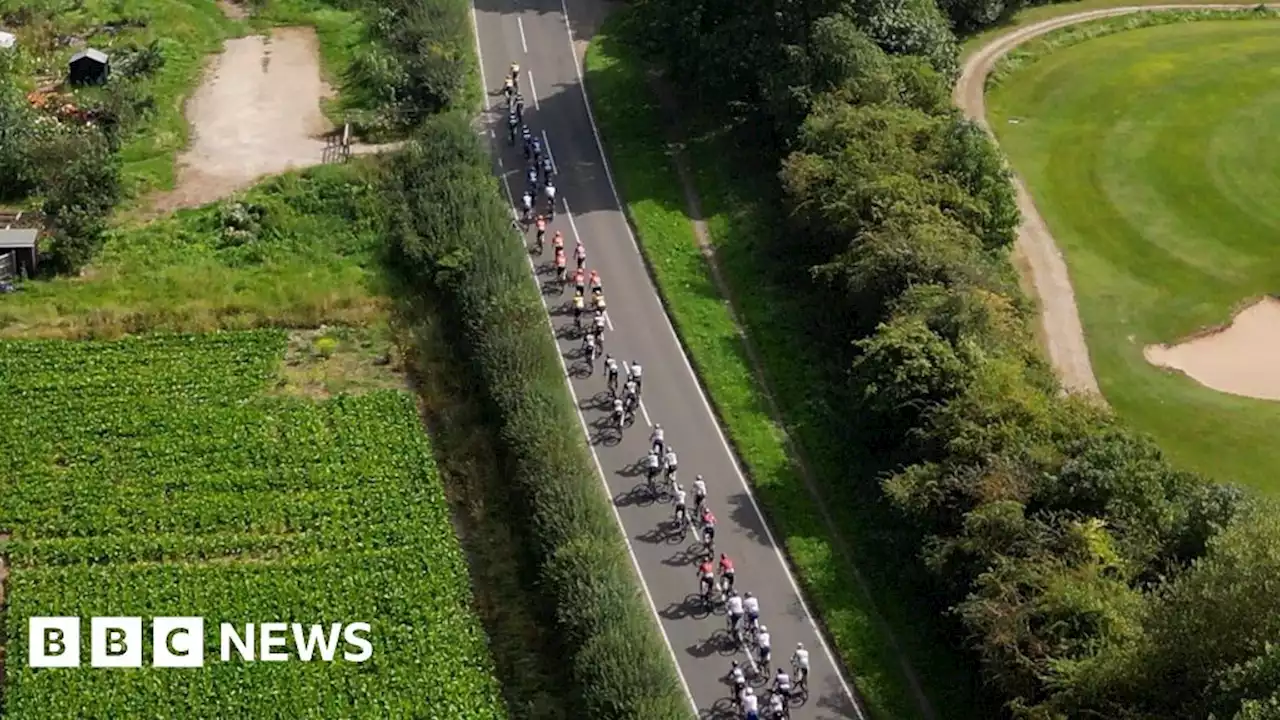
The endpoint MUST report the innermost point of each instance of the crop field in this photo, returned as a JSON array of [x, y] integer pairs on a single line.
[[1151, 155], [157, 476]]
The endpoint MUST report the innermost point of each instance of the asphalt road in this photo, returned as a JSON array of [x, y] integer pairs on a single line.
[[538, 35]]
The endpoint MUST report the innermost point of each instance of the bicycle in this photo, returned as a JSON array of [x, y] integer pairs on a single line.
[[801, 676]]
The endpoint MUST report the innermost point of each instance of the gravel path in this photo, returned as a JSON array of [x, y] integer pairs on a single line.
[[1062, 331]]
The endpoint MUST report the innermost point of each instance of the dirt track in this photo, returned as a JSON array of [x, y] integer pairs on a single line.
[[256, 113], [1063, 333]]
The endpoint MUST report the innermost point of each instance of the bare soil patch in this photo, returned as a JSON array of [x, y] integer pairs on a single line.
[[256, 113], [1242, 358]]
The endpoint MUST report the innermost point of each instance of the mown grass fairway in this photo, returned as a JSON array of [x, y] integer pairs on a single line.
[[1152, 156]]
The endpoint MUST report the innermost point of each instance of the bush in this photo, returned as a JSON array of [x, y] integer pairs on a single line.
[[454, 236]]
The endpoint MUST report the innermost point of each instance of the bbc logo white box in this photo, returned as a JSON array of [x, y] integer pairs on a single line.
[[115, 642], [53, 642], [178, 642]]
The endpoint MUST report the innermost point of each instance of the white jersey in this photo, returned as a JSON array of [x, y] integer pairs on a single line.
[[699, 488], [752, 605], [750, 703], [679, 497], [738, 677], [527, 200], [630, 387], [734, 605], [612, 365], [635, 371], [801, 658], [656, 437], [617, 406], [653, 461], [763, 640], [775, 704], [782, 680], [671, 459], [551, 192]]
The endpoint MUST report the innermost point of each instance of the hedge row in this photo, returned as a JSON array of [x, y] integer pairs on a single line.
[[453, 237]]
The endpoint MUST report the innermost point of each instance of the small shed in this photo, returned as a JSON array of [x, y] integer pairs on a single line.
[[7, 40], [88, 67], [18, 251]]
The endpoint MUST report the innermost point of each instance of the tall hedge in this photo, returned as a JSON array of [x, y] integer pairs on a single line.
[[453, 237]]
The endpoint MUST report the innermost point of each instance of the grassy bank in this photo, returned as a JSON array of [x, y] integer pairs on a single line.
[[735, 203], [1163, 203]]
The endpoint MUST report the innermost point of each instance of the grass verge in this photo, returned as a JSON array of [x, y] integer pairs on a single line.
[[1031, 16], [1149, 156], [735, 202]]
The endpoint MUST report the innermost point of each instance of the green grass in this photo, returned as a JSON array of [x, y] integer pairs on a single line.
[[311, 259], [735, 199], [1031, 16], [1151, 155]]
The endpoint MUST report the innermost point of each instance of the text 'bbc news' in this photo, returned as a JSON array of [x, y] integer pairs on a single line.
[[179, 642]]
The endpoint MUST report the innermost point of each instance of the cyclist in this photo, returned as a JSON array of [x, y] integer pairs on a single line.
[[778, 707], [513, 122], [618, 414], [580, 253], [526, 204], [752, 605], [548, 168], [599, 321], [589, 344], [656, 439], [550, 190], [750, 704], [634, 372], [536, 146], [682, 511], [557, 240], [599, 302], [726, 573], [515, 72], [531, 178], [561, 271], [509, 89], [706, 577], [652, 465], [541, 225], [611, 371], [782, 684], [733, 607], [629, 397], [762, 646], [738, 679], [709, 530], [596, 286], [699, 493], [670, 461], [526, 136], [580, 281], [800, 662], [519, 106], [578, 302]]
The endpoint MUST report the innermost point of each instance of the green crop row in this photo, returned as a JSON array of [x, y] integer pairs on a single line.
[[152, 477], [455, 238]]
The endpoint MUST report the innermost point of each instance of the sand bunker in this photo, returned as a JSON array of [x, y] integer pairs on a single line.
[[1241, 359], [256, 113]]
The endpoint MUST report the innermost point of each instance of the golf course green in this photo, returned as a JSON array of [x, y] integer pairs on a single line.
[[1154, 157]]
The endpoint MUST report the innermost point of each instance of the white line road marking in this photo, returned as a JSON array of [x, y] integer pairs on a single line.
[[608, 173], [533, 92], [555, 169], [523, 43], [491, 135], [582, 420], [503, 166], [644, 412]]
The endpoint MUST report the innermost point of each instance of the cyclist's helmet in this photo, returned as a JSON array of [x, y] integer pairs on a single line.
[[764, 628]]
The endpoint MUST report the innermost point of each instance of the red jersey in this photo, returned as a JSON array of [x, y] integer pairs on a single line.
[[705, 569], [578, 276], [560, 261], [726, 565], [542, 223], [595, 278], [558, 241]]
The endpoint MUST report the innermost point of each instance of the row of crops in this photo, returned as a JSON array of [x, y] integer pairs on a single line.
[[153, 476]]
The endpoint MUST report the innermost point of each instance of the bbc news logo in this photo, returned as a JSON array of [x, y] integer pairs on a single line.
[[179, 642]]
